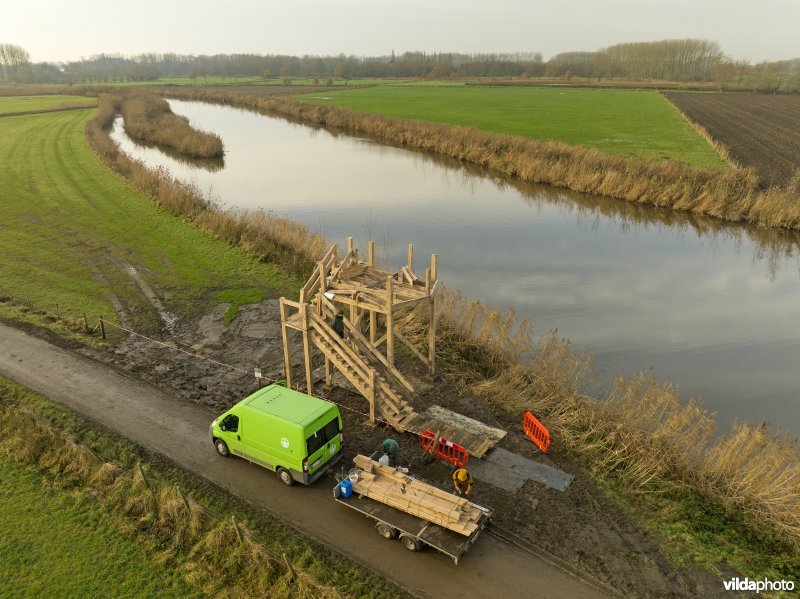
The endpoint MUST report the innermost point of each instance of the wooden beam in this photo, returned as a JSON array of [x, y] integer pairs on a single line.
[[434, 267], [373, 325], [287, 345], [349, 244], [322, 275], [410, 256], [413, 349], [373, 395], [371, 253], [432, 338], [307, 351], [389, 320], [427, 281]]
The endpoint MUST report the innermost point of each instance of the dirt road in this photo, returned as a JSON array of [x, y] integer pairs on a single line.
[[178, 429]]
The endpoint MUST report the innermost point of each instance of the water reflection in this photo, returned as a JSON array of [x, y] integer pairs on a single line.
[[709, 305]]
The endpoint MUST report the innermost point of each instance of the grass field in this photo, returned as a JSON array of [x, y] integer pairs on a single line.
[[15, 104], [72, 232], [629, 123], [54, 543]]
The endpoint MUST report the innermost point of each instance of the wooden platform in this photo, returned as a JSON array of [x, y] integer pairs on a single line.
[[391, 487]]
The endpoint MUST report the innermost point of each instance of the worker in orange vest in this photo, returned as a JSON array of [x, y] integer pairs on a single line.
[[462, 481]]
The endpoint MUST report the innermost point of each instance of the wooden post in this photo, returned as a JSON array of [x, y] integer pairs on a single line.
[[102, 328], [428, 281], [287, 346], [411, 257], [389, 320], [328, 374], [432, 338], [349, 244], [322, 288], [58, 313], [85, 323], [373, 325], [371, 254], [434, 267], [307, 349], [373, 394]]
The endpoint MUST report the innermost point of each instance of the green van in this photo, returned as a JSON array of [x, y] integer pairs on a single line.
[[294, 434]]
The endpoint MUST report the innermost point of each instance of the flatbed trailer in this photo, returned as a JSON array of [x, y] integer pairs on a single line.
[[414, 532]]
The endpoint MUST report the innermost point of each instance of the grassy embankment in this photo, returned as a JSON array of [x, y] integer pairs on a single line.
[[71, 231], [32, 104], [730, 195], [135, 526]]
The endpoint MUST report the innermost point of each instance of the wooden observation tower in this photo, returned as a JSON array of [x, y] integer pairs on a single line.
[[369, 300]]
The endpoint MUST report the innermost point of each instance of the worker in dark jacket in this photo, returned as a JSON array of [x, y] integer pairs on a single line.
[[462, 481], [337, 324]]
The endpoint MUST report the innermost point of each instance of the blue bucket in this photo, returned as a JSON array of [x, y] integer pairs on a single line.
[[346, 487]]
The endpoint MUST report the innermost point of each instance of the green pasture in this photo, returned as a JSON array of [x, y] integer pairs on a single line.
[[626, 122], [54, 543], [16, 104], [73, 233]]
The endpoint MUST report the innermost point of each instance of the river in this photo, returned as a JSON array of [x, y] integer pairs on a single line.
[[710, 306]]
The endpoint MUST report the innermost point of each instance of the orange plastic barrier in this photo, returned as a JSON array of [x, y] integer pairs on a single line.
[[537, 432], [446, 450]]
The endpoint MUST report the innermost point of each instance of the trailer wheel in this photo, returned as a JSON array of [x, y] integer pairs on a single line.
[[386, 531], [410, 543], [222, 448], [286, 477]]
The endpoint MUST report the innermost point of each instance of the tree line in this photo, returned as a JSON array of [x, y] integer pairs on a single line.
[[685, 60]]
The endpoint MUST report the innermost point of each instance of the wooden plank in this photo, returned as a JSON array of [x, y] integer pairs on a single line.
[[287, 345], [413, 349], [432, 338], [389, 321], [307, 351], [386, 485]]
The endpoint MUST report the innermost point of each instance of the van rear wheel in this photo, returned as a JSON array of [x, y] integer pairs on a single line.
[[222, 448], [286, 477]]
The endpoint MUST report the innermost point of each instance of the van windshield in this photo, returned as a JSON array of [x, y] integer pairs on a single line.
[[322, 436]]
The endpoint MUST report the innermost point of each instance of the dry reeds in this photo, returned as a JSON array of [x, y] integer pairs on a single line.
[[150, 120]]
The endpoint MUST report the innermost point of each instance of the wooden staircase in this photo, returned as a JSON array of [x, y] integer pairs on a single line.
[[387, 393]]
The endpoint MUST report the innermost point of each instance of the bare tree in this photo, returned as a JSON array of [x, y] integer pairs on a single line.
[[12, 59]]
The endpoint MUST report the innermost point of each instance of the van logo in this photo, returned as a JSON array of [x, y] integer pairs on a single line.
[[285, 443]]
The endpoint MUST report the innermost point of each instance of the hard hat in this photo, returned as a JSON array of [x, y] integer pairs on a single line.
[[462, 474]]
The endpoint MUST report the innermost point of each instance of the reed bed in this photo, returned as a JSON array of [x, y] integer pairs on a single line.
[[150, 120], [635, 429], [269, 237], [731, 195], [219, 556]]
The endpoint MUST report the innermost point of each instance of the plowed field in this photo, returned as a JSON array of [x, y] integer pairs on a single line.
[[759, 131]]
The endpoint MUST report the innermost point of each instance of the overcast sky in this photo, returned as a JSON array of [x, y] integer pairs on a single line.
[[59, 30]]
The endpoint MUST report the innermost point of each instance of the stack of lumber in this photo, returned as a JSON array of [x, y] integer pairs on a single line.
[[389, 486]]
